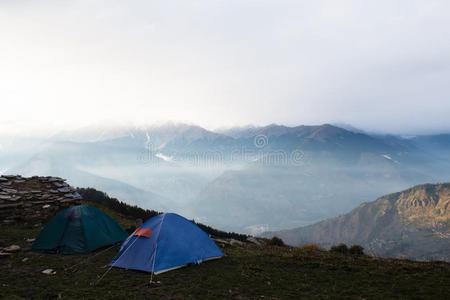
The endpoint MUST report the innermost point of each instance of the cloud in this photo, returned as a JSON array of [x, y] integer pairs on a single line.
[[380, 65], [164, 157]]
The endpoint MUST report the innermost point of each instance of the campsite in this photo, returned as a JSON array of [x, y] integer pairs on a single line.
[[247, 271], [218, 149]]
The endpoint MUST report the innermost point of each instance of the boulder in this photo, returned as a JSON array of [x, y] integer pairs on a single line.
[[12, 248], [49, 272], [253, 240]]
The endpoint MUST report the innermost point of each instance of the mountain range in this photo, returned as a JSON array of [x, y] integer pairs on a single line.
[[248, 179]]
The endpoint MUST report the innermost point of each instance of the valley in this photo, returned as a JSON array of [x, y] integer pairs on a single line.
[[249, 180]]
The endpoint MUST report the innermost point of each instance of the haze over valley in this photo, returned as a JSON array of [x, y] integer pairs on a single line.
[[245, 179]]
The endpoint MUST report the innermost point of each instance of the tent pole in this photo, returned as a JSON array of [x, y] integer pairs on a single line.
[[153, 265], [156, 248]]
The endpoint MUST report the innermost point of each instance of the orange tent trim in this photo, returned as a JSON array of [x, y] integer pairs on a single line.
[[145, 232]]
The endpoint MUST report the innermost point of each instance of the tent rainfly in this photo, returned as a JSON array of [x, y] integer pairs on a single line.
[[165, 242], [78, 229]]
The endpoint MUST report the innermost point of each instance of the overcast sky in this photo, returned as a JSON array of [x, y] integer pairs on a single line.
[[378, 65]]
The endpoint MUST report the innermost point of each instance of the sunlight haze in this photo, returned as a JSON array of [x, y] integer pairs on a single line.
[[381, 66]]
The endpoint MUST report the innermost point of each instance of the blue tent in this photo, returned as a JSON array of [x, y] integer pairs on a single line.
[[163, 243]]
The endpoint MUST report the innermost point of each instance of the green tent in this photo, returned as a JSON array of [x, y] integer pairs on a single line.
[[78, 229]]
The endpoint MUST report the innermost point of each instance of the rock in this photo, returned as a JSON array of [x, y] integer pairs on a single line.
[[33, 200], [220, 241], [49, 272], [235, 242], [12, 248], [31, 240], [38, 202], [25, 259], [253, 240], [10, 205], [15, 198], [5, 254], [65, 200], [64, 190]]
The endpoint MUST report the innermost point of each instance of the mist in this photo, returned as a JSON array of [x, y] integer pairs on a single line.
[[381, 66], [247, 180]]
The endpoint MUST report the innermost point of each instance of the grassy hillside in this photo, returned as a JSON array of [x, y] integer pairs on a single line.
[[246, 272]]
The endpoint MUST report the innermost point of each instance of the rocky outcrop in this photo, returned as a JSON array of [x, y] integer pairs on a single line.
[[34, 200], [414, 223]]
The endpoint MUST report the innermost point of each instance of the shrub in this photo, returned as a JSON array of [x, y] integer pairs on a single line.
[[341, 248], [276, 241], [356, 250]]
